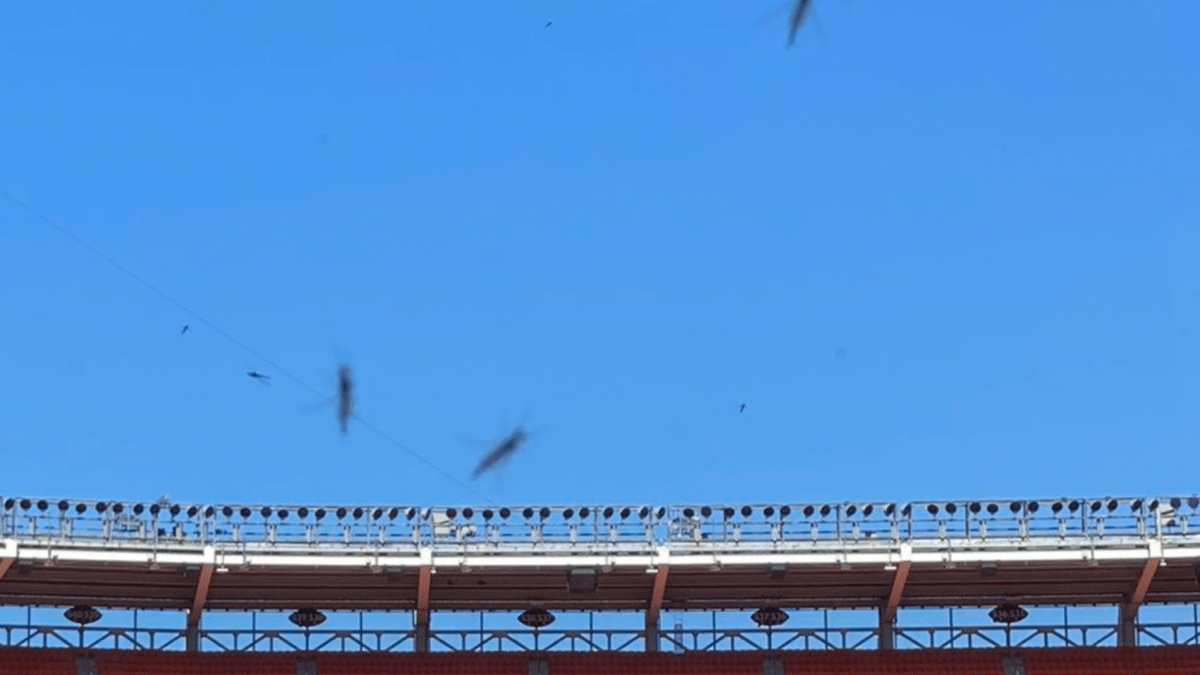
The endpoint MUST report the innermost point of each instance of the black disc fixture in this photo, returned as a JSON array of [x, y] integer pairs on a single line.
[[536, 618], [769, 616], [82, 614], [1008, 613], [307, 617]]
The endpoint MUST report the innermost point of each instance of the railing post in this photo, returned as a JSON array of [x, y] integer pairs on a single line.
[[421, 631], [1127, 627], [887, 629], [651, 633], [192, 634]]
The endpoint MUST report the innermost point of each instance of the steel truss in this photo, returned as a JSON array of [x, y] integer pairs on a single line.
[[598, 640]]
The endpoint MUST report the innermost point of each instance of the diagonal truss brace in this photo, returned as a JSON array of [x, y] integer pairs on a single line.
[[1144, 579], [201, 595], [661, 570], [199, 598], [898, 582]]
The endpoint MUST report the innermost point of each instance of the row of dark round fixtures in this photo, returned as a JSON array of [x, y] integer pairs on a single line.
[[319, 513], [584, 512], [545, 512], [950, 508], [210, 511]]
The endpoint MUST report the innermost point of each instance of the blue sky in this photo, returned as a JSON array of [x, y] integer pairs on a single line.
[[616, 229]]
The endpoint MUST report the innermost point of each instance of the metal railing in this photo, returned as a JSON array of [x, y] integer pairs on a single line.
[[594, 640], [164, 524]]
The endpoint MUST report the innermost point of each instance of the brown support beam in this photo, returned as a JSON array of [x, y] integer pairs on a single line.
[[656, 600], [5, 563], [887, 613], [421, 616], [898, 581], [197, 608], [1127, 633], [1139, 592]]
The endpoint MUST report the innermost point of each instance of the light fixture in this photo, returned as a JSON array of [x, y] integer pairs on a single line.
[[82, 614], [536, 618], [769, 616], [307, 617], [581, 580], [1008, 613]]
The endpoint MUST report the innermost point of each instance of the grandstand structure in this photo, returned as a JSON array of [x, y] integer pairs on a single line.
[[414, 564]]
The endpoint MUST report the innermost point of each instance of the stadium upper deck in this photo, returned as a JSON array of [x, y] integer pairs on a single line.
[[1123, 552]]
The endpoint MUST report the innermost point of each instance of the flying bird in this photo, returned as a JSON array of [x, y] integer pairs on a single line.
[[742, 409], [548, 23], [185, 329], [265, 379], [501, 452], [345, 397], [799, 13]]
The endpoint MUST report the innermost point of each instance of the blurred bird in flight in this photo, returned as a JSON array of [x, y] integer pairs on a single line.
[[345, 397], [501, 452], [799, 13]]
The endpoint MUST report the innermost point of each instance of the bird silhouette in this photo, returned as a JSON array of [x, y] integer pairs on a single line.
[[345, 397], [799, 13], [185, 329], [742, 409], [501, 452], [548, 23], [265, 379]]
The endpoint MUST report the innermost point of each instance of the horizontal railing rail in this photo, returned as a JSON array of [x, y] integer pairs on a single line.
[[164, 524]]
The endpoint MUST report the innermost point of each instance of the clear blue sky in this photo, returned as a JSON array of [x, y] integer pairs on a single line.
[[616, 229]]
